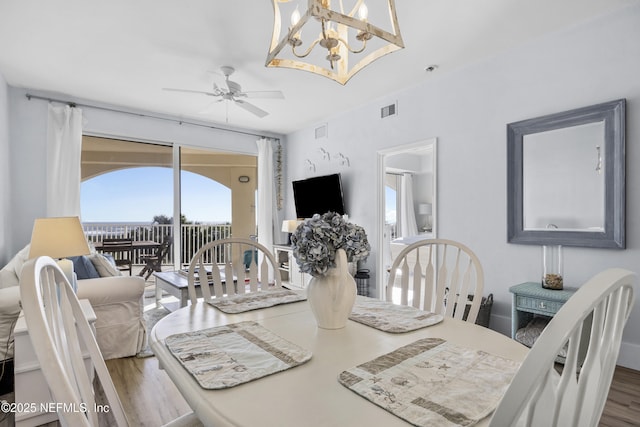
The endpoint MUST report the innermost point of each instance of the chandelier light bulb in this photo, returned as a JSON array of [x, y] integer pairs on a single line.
[[329, 26], [295, 17], [294, 39], [363, 12]]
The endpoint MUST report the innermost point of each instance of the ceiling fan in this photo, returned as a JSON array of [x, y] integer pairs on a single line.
[[233, 92]]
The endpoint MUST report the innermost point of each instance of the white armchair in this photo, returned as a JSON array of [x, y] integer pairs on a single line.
[[117, 302]]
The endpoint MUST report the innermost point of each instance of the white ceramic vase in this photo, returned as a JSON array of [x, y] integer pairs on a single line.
[[332, 296]]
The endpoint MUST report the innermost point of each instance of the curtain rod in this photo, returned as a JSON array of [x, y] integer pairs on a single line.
[[181, 122]]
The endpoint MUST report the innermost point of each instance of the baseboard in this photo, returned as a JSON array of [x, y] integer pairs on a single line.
[[501, 324]]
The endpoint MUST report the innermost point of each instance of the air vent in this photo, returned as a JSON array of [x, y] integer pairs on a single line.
[[389, 110], [321, 131]]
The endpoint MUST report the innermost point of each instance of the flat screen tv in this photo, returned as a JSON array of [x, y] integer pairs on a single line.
[[318, 195]]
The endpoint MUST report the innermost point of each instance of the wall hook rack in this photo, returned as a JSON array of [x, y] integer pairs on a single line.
[[310, 165], [344, 160]]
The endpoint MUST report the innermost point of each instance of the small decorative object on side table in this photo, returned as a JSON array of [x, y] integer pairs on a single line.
[[552, 265]]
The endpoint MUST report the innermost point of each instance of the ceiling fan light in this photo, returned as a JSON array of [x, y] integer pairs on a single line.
[[343, 24]]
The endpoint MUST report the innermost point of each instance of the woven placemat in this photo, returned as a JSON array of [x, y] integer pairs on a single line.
[[256, 300], [432, 382], [389, 317], [226, 356]]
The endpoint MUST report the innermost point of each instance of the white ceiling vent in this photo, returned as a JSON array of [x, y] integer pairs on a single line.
[[389, 110], [322, 131]]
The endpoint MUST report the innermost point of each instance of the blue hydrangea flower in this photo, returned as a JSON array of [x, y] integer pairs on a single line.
[[317, 239]]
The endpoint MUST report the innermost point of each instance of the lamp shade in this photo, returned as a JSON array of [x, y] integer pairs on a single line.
[[59, 237], [289, 225], [424, 208]]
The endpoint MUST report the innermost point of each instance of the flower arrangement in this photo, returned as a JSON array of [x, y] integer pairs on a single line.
[[316, 241]]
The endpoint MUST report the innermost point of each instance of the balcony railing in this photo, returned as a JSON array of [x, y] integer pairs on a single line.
[[192, 236]]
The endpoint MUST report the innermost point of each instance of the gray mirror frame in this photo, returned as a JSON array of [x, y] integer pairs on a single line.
[[613, 236]]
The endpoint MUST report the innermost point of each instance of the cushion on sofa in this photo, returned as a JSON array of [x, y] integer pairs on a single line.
[[84, 268], [104, 266]]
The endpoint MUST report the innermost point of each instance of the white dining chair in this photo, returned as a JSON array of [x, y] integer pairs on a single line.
[[251, 265], [58, 330], [538, 395], [437, 275]]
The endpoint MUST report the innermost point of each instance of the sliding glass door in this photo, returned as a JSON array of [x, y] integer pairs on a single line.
[[126, 190], [138, 189]]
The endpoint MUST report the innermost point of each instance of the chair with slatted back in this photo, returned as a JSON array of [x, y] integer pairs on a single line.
[[251, 265], [58, 330], [122, 250], [51, 311], [153, 262], [541, 397], [437, 275]]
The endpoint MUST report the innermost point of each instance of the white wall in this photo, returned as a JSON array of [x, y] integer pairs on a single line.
[[468, 110], [28, 154], [5, 201]]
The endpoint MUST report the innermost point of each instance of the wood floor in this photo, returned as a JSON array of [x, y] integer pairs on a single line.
[[151, 399], [623, 403]]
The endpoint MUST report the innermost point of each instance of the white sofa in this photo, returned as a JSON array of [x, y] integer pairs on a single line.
[[116, 300]]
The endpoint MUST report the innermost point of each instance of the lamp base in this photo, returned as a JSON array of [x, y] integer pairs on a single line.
[[66, 265]]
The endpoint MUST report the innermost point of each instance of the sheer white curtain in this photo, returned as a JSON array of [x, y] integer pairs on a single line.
[[64, 148], [406, 216], [266, 199]]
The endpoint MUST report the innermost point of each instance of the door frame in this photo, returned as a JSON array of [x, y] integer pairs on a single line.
[[422, 145]]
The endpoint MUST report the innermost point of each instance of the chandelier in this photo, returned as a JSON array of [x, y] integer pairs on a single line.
[[339, 42]]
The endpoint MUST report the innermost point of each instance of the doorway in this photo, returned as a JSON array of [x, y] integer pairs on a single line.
[[413, 201]]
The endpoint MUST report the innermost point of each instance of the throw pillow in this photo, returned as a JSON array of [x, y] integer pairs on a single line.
[[84, 268], [104, 267]]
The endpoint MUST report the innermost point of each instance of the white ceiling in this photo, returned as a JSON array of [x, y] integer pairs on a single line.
[[123, 52]]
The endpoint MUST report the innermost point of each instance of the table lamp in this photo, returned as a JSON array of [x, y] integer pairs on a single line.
[[289, 226], [425, 209], [59, 238]]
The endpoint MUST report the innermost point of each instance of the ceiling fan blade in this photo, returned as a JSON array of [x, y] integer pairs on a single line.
[[272, 94], [189, 91], [251, 108], [233, 87]]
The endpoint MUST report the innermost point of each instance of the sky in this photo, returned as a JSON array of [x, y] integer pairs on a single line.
[[390, 204], [139, 194]]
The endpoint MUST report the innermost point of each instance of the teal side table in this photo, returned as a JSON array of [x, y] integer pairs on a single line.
[[531, 298]]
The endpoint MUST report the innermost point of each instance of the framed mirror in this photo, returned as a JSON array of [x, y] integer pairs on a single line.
[[566, 178]]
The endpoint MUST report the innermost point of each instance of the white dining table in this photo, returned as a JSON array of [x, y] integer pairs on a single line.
[[307, 395]]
